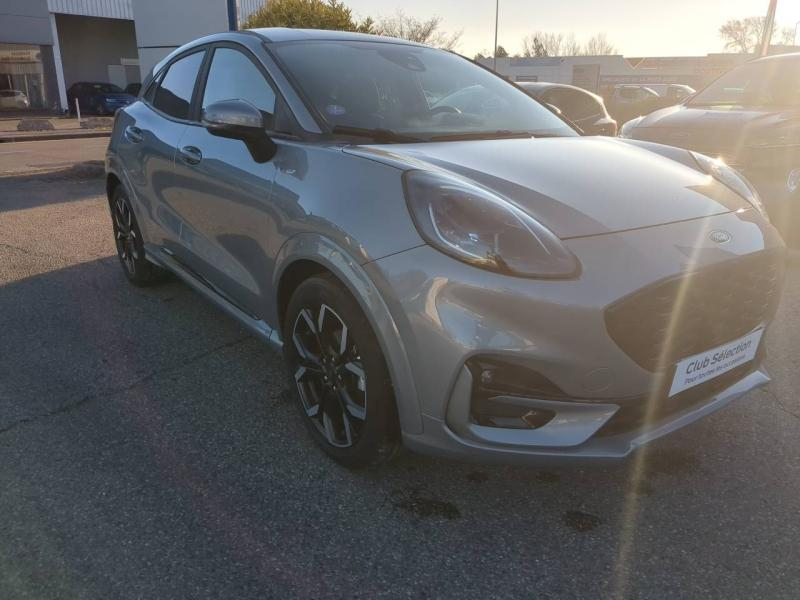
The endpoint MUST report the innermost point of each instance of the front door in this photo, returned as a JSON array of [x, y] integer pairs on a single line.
[[223, 193]]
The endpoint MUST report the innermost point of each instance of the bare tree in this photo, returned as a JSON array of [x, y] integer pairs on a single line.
[[501, 52], [543, 43], [744, 35], [784, 36], [598, 45], [532, 45], [425, 32]]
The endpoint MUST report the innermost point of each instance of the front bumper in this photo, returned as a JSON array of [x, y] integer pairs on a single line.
[[440, 440], [447, 313]]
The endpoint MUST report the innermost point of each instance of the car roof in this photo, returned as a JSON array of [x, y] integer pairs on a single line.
[[273, 35], [778, 57], [285, 34]]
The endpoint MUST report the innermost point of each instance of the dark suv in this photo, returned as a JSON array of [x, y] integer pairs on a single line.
[[749, 117]]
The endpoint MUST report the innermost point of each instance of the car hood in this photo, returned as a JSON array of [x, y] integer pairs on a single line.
[[719, 131], [577, 186]]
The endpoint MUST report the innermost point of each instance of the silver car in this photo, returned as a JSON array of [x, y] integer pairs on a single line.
[[467, 279]]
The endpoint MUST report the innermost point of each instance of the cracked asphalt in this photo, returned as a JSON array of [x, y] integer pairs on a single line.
[[149, 449]]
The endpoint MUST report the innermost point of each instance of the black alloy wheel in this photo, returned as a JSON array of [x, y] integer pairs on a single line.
[[339, 375]]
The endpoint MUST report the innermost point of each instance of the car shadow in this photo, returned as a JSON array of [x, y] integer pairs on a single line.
[[69, 184]]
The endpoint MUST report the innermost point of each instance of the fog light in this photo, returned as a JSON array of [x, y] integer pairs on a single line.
[[537, 418], [793, 181]]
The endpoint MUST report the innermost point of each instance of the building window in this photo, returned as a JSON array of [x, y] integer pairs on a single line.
[[21, 77]]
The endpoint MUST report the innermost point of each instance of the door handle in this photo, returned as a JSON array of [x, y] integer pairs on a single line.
[[133, 134], [191, 155]]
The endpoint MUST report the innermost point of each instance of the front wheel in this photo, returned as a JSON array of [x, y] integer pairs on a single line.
[[339, 375]]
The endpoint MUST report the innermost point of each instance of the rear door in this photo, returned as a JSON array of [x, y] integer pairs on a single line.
[[222, 194], [152, 129]]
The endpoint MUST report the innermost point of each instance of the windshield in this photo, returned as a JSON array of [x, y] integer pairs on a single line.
[[773, 82], [417, 92]]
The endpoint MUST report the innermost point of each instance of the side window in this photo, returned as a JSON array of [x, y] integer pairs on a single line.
[[234, 76], [579, 105], [174, 95]]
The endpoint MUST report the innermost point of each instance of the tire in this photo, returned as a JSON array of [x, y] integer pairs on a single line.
[[130, 244], [352, 414]]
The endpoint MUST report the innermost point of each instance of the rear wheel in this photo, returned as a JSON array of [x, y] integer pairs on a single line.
[[339, 375], [129, 242]]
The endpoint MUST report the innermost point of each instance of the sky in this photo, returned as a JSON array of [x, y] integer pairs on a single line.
[[635, 27]]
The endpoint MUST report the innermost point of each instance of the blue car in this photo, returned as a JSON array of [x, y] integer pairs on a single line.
[[98, 98]]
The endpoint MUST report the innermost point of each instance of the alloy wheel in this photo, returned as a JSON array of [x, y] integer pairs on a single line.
[[125, 235], [330, 375]]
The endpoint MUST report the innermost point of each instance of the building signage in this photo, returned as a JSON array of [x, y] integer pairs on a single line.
[[25, 55]]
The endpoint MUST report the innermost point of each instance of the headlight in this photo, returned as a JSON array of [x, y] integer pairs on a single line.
[[479, 227], [726, 175], [626, 131]]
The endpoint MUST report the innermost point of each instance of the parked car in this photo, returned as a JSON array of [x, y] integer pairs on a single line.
[[133, 89], [98, 98], [629, 101], [671, 93], [472, 279], [584, 109], [749, 117], [13, 99]]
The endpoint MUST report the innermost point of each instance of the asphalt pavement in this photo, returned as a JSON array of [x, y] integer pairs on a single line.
[[149, 449]]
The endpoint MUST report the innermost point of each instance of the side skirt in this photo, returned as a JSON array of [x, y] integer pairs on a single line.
[[167, 260]]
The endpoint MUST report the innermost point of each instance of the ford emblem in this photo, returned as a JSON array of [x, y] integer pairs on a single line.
[[719, 236]]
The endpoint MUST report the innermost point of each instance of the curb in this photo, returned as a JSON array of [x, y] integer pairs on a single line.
[[36, 136]]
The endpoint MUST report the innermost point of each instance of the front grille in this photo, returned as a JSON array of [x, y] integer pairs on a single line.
[[686, 315]]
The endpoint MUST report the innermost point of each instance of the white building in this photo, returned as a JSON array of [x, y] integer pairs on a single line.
[[47, 45], [598, 73]]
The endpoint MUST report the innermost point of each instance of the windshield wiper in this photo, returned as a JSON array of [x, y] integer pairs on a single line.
[[377, 135], [483, 135]]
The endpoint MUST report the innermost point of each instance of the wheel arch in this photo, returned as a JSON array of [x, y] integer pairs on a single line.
[[112, 182], [306, 255]]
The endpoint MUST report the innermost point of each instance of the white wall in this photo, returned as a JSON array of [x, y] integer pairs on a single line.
[[162, 26]]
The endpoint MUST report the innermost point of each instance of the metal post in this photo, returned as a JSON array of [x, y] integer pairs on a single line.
[[78, 110], [769, 25], [496, 19], [796, 25]]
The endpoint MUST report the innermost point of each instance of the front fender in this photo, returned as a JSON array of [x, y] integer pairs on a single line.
[[319, 249]]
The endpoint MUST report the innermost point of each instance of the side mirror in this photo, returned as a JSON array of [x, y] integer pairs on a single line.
[[240, 120]]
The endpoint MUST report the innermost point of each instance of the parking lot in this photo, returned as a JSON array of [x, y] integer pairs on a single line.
[[149, 449]]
